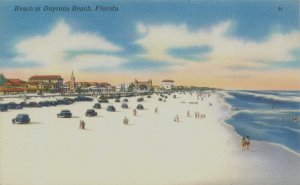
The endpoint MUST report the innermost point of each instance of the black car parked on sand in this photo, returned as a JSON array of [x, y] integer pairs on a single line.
[[24, 104], [140, 99], [13, 105], [83, 98], [21, 118], [140, 107], [124, 106], [90, 112], [63, 102], [103, 100], [34, 104], [3, 107], [97, 106], [64, 114], [111, 108]]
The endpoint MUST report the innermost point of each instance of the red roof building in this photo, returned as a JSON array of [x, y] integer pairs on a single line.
[[46, 78], [11, 90], [15, 82]]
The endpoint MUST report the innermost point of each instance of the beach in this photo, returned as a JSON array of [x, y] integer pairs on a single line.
[[151, 150]]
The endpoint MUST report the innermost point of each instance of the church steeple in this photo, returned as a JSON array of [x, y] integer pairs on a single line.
[[72, 83]]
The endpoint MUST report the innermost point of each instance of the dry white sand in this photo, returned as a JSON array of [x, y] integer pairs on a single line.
[[152, 149]]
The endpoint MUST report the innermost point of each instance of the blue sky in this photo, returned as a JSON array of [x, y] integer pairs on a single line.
[[138, 37]]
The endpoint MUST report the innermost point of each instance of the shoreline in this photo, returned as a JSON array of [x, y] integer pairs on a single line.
[[227, 108]]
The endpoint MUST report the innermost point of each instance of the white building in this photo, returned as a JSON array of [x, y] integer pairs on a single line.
[[122, 87], [167, 84]]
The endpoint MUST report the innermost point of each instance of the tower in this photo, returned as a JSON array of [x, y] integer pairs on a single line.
[[72, 84]]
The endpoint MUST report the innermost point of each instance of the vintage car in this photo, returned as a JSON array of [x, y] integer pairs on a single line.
[[64, 114], [124, 106], [140, 107], [90, 112], [3, 107], [111, 108], [21, 118], [83, 98], [97, 106], [103, 100], [63, 102], [34, 104], [24, 104], [13, 105], [140, 99]]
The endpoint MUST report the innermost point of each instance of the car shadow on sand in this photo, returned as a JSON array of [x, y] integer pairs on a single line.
[[94, 116]]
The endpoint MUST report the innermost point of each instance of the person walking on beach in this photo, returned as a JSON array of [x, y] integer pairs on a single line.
[[156, 110], [134, 112], [81, 124], [188, 114], [247, 142], [176, 119], [125, 121]]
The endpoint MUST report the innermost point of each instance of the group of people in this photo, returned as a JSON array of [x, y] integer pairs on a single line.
[[197, 115], [245, 143]]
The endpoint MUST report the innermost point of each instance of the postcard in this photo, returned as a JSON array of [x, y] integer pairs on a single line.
[[185, 92]]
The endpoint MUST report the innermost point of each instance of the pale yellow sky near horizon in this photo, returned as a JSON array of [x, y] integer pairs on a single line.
[[278, 80]]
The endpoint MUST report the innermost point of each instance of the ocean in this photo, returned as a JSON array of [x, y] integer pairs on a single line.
[[267, 116]]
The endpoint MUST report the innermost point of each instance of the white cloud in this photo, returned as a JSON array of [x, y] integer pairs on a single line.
[[92, 61], [141, 28], [51, 49], [226, 50]]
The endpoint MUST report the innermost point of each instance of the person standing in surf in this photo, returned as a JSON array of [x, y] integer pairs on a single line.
[[247, 142]]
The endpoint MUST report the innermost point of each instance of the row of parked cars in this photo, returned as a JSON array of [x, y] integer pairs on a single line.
[[24, 118], [64, 101]]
